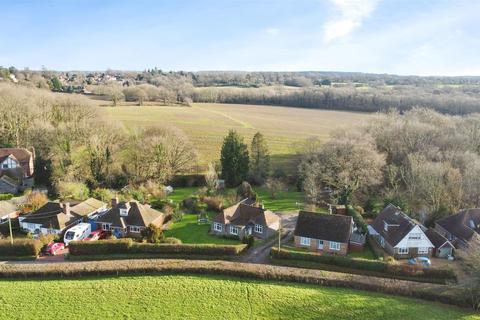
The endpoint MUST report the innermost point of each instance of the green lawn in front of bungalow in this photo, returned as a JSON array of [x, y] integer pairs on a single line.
[[205, 297], [189, 231]]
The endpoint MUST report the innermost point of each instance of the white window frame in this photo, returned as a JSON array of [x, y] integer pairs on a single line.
[[258, 228], [414, 236], [422, 250], [135, 229], [217, 227], [234, 230], [320, 244], [402, 250], [335, 246], [105, 226], [304, 241]]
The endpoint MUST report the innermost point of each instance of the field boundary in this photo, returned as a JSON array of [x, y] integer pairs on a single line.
[[432, 292]]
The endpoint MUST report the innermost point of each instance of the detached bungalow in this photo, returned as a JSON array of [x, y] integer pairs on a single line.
[[460, 228], [128, 219], [244, 219], [399, 235], [55, 217], [328, 233]]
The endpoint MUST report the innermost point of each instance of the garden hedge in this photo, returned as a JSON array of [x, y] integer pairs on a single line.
[[357, 218], [379, 267], [128, 246], [20, 248]]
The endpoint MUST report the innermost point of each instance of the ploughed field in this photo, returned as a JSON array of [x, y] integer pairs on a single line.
[[206, 124], [203, 297]]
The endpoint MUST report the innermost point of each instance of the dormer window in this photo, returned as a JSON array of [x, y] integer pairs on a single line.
[[123, 212]]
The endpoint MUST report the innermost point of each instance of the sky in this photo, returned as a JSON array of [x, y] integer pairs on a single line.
[[420, 37]]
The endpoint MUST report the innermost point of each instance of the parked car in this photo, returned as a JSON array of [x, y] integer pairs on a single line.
[[53, 248], [96, 235]]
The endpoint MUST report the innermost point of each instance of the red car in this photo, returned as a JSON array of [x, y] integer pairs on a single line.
[[53, 248], [95, 235]]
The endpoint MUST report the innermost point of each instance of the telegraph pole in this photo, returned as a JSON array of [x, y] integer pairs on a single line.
[[10, 227]]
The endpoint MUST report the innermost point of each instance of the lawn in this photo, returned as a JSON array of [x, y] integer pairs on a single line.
[[207, 124], [189, 231], [286, 201], [203, 297], [179, 194]]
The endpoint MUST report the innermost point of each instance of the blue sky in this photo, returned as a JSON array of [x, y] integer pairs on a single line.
[[435, 37]]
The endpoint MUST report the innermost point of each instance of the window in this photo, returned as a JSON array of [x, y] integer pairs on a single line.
[[334, 246], [304, 241], [385, 226], [422, 250], [414, 236], [234, 230], [105, 226], [320, 244], [402, 250], [217, 227], [135, 229], [258, 228]]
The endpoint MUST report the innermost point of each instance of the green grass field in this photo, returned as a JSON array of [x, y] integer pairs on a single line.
[[207, 124], [189, 231], [207, 297]]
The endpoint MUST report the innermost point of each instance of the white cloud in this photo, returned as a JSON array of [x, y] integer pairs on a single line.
[[350, 16], [272, 31]]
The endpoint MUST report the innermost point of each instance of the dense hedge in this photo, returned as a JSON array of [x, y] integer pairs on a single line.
[[128, 246], [5, 196], [355, 263], [358, 219], [20, 248], [377, 267]]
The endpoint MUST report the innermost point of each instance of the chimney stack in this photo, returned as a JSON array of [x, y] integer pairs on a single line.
[[114, 202], [66, 208]]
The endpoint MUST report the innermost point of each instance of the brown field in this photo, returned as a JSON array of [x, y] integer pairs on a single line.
[[207, 124]]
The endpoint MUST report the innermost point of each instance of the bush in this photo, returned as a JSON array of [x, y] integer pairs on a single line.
[[127, 246], [355, 263], [245, 190], [5, 196], [214, 203], [99, 247], [20, 248], [72, 190], [36, 200], [105, 195], [358, 219], [47, 238], [172, 240], [152, 234], [249, 241]]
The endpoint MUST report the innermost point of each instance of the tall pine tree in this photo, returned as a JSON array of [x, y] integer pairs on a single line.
[[234, 159], [260, 159]]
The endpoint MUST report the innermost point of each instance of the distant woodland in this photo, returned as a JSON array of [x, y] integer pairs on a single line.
[[323, 90]]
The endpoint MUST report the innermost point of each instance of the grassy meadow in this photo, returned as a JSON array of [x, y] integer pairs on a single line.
[[206, 297], [207, 124]]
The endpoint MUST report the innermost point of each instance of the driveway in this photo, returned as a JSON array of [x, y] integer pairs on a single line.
[[260, 254]]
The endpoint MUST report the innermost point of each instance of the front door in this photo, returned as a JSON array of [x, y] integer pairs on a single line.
[[248, 230]]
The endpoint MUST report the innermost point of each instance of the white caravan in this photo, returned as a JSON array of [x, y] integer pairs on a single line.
[[77, 233]]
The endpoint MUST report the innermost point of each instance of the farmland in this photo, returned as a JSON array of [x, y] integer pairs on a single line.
[[207, 297], [207, 124]]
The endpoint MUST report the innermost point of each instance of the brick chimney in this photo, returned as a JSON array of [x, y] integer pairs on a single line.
[[66, 208], [114, 202]]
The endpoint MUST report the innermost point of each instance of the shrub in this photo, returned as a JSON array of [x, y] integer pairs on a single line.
[[102, 194], [249, 241], [152, 234], [245, 190], [36, 199], [20, 248], [358, 219], [5, 196], [72, 190], [214, 203], [172, 240], [47, 238]]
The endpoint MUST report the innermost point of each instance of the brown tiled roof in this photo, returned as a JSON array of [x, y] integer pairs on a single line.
[[241, 214], [87, 207], [51, 216], [437, 239], [330, 227], [463, 224], [138, 215], [399, 224]]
